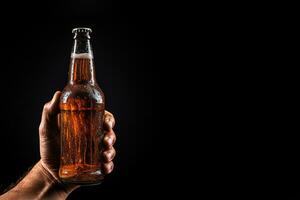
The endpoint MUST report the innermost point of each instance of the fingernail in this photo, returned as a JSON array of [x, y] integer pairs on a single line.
[[108, 155], [110, 141]]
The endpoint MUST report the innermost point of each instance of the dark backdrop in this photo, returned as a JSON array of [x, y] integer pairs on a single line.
[[36, 41]]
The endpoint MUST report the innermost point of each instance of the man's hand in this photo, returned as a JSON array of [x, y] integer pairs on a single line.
[[42, 181], [50, 138]]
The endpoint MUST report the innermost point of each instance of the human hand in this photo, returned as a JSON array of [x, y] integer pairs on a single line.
[[42, 181], [49, 133]]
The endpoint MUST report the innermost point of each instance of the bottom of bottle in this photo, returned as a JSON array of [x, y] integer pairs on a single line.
[[81, 174], [82, 182]]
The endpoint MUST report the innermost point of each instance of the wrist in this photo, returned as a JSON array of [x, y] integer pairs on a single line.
[[54, 183], [39, 183]]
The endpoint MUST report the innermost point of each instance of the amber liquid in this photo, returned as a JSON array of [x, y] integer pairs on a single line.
[[81, 130]]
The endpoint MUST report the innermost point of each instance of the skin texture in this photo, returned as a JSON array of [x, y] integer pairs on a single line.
[[42, 181]]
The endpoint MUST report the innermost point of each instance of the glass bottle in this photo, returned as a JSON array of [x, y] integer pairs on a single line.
[[82, 112]]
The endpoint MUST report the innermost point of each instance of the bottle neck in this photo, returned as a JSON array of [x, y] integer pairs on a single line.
[[82, 65]]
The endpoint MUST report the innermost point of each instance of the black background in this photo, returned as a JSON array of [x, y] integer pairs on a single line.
[[36, 42]]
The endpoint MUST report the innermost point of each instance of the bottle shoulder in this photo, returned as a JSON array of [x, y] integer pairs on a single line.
[[92, 94]]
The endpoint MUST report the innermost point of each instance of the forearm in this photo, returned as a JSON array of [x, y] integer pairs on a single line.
[[38, 184]]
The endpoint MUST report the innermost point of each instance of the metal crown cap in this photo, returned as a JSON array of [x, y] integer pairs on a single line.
[[81, 30]]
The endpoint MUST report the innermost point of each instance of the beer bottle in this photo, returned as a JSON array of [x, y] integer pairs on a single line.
[[81, 117]]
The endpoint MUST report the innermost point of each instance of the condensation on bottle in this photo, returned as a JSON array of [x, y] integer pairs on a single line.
[[81, 115]]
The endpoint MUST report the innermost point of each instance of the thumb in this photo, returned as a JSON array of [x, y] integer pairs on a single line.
[[49, 115]]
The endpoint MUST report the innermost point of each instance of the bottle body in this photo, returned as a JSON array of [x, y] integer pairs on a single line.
[[81, 124], [81, 134]]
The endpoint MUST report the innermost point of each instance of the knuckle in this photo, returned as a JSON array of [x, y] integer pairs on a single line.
[[112, 166], [41, 129], [112, 117], [109, 155], [109, 116], [106, 139], [114, 138], [109, 167], [46, 107], [114, 152], [106, 154], [107, 113]]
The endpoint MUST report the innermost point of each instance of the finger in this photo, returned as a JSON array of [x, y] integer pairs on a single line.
[[108, 167], [109, 155], [49, 115], [109, 139], [109, 121]]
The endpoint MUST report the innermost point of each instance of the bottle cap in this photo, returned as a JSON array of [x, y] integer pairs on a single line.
[[81, 30]]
